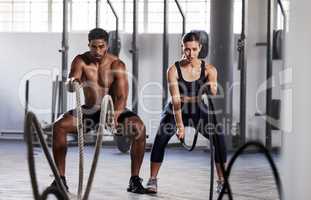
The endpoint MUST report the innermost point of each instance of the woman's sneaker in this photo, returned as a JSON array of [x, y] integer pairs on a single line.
[[152, 186]]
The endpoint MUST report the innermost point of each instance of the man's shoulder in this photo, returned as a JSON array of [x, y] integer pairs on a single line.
[[85, 57], [80, 60], [116, 63]]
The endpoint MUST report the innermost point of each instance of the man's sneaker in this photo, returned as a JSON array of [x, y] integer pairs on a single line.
[[54, 184], [152, 186], [135, 185], [220, 185]]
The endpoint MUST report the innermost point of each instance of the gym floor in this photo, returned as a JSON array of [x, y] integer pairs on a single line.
[[185, 175]]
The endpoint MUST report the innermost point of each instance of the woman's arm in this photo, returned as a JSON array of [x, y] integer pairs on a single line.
[[211, 73], [176, 100]]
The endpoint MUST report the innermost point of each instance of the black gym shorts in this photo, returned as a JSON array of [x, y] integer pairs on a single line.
[[91, 117]]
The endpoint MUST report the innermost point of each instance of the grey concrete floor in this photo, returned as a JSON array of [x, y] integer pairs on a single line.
[[184, 175]]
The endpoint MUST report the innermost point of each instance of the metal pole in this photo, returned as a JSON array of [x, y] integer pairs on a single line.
[[135, 58], [242, 68], [284, 26], [98, 2], [50, 11], [275, 15], [117, 23], [26, 97], [64, 51], [146, 16], [116, 16], [70, 10], [183, 17], [269, 69], [282, 9], [222, 45], [165, 53], [124, 15], [269, 75], [55, 88]]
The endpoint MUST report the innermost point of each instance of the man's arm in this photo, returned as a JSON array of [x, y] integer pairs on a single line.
[[175, 94], [120, 87], [212, 78], [75, 73]]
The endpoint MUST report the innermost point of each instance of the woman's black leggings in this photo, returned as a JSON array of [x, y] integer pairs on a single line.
[[193, 116]]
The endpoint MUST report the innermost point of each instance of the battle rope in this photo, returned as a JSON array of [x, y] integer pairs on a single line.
[[32, 127]]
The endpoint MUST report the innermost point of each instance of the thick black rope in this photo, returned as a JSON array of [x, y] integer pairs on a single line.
[[207, 102], [194, 142], [32, 125], [227, 171], [268, 156]]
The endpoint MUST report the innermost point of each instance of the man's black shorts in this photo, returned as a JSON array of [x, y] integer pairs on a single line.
[[91, 116]]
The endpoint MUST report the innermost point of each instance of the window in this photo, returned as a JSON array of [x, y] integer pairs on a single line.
[[24, 15], [83, 15], [46, 15], [128, 11], [237, 16], [196, 14], [280, 16], [57, 16]]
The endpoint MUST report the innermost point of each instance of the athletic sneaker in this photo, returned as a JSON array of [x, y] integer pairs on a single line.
[[152, 186], [54, 184], [135, 185]]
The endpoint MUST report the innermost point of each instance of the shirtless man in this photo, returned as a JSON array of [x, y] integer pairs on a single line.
[[100, 73]]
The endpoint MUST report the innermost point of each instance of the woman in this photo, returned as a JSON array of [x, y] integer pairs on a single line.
[[187, 80]]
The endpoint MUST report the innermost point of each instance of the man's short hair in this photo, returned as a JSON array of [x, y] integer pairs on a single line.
[[98, 33]]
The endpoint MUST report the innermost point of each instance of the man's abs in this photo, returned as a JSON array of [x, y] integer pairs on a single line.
[[94, 95]]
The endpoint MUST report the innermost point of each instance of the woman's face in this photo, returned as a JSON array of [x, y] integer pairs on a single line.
[[191, 50]]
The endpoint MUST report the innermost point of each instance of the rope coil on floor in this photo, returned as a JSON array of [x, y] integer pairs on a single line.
[[32, 127]]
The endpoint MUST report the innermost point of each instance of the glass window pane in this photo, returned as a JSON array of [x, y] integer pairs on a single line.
[[107, 19], [280, 16], [57, 15], [83, 15], [237, 18], [39, 16], [6, 16], [32, 15], [196, 13]]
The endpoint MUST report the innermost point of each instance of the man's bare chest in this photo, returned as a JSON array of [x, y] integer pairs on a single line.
[[99, 75]]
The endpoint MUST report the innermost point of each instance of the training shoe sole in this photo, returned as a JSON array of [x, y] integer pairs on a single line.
[[136, 191], [150, 191]]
